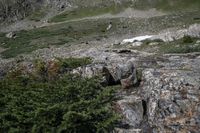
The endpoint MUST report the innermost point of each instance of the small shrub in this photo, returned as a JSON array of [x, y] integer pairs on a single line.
[[74, 62], [187, 39], [138, 76]]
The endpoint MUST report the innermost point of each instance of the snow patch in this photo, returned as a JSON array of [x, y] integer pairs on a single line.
[[136, 44], [135, 39]]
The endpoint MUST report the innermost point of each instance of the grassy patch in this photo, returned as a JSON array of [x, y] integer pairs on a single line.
[[184, 45], [88, 12], [67, 103], [31, 40], [182, 48], [28, 41]]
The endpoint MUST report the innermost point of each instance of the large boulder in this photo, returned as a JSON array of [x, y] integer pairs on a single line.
[[121, 73]]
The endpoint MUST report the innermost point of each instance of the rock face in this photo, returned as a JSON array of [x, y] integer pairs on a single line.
[[173, 100], [168, 98]]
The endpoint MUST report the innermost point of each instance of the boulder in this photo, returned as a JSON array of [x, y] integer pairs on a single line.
[[118, 72], [11, 35]]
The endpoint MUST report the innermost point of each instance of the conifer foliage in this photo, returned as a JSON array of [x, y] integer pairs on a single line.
[[66, 104]]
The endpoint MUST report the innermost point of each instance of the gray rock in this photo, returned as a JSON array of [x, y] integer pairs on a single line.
[[11, 35], [132, 110], [129, 82], [122, 71], [118, 130], [89, 70]]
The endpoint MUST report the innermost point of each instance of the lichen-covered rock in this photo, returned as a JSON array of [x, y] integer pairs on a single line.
[[173, 100], [132, 109]]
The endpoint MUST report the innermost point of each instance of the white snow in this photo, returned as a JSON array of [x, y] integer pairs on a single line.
[[139, 38], [136, 44]]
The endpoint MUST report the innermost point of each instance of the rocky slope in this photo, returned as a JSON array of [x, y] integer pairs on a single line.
[[13, 10]]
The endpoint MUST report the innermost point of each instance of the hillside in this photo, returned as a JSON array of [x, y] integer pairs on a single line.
[[87, 66], [13, 10]]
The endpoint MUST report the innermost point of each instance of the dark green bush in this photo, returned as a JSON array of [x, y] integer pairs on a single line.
[[67, 104], [187, 39], [74, 62]]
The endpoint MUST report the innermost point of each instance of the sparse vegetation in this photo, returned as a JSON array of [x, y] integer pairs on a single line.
[[184, 48], [186, 44], [74, 62], [67, 103], [38, 15]]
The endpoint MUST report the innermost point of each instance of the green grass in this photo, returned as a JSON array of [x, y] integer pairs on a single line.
[[88, 12], [31, 40], [186, 44], [180, 47], [28, 41], [67, 103]]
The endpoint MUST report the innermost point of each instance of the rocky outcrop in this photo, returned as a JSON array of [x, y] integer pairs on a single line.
[[173, 100], [124, 74], [193, 31], [167, 99]]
